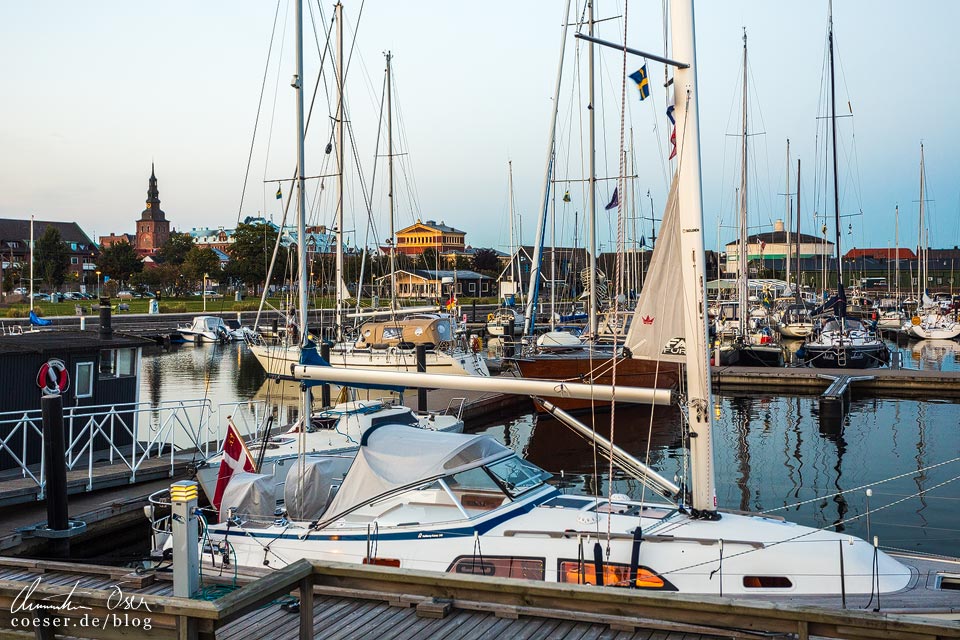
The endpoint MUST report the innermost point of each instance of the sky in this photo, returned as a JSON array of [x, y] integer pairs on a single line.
[[96, 92]]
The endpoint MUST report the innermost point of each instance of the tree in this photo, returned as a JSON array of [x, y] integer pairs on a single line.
[[250, 254], [163, 277], [51, 258], [200, 262], [428, 259], [486, 260], [463, 263], [119, 261], [175, 249]]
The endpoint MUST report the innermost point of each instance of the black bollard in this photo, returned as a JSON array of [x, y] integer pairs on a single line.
[[106, 327], [325, 389], [508, 339], [421, 368], [55, 469], [474, 311]]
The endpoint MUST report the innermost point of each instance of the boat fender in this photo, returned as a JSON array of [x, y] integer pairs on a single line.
[[490, 317], [475, 344], [635, 555], [598, 563]]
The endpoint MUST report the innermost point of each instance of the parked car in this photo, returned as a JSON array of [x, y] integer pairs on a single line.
[[42, 296], [21, 290], [126, 294]]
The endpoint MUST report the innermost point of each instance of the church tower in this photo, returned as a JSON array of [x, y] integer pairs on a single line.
[[153, 229]]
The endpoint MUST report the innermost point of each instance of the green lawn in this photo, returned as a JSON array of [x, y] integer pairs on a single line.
[[172, 305]]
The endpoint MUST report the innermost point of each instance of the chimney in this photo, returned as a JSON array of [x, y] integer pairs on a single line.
[[106, 327], [778, 226]]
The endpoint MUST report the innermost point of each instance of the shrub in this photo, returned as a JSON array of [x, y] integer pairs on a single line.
[[169, 307], [246, 306]]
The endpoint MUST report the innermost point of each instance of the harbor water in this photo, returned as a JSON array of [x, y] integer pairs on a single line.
[[773, 453]]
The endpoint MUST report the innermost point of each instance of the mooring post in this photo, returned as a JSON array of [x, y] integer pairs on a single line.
[[474, 305], [508, 338], [55, 469], [325, 388], [186, 551], [421, 368], [106, 326]]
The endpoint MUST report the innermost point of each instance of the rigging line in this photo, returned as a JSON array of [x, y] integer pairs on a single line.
[[907, 474], [413, 192], [256, 120]]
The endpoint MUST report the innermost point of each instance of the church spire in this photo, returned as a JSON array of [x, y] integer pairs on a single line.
[[153, 211]]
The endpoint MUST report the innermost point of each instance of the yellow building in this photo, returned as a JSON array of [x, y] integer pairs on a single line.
[[420, 236]]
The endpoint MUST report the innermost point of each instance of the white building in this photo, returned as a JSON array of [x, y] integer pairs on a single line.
[[771, 249]]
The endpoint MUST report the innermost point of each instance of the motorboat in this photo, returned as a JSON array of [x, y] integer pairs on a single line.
[[206, 329]]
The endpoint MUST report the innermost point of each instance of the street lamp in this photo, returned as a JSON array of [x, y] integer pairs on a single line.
[[205, 276], [98, 283]]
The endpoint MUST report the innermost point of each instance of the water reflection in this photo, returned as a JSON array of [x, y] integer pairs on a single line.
[[770, 452]]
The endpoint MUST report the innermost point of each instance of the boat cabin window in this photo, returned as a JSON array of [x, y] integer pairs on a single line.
[[613, 575], [518, 476], [767, 582], [476, 490], [500, 567]]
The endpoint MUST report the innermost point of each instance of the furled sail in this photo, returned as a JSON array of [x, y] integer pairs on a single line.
[[656, 331]]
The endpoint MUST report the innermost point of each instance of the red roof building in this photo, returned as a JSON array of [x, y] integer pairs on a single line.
[[885, 253]]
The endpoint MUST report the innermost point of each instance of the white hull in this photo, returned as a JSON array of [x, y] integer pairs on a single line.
[[946, 331], [199, 337], [276, 360], [686, 557], [796, 329]]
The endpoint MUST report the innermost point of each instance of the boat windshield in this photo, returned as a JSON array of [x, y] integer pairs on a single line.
[[518, 476], [849, 324]]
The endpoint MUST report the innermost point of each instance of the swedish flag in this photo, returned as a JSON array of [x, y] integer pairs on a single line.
[[279, 192], [640, 77]]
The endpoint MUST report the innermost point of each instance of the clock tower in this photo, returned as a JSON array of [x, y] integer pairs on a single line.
[[153, 229]]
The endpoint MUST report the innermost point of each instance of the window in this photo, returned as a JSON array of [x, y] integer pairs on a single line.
[[118, 363], [83, 387], [767, 582], [517, 475], [500, 567], [74, 260], [614, 575]]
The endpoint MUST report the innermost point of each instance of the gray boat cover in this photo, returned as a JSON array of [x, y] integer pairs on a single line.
[[307, 490], [251, 493]]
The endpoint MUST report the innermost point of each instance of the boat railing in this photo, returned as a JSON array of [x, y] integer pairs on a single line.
[[138, 436], [455, 407]]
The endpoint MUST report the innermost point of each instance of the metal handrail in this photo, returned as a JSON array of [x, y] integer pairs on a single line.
[[129, 433]]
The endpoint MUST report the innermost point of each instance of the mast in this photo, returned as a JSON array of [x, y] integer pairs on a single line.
[[921, 249], [301, 212], [896, 239], [789, 204], [393, 238], [690, 202], [743, 262], [514, 251], [799, 238], [534, 285], [338, 134], [594, 308], [31, 265], [841, 295]]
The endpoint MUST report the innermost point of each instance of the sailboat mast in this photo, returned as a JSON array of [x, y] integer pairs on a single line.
[[393, 238], [690, 201], [799, 238], [534, 285], [896, 239], [31, 266], [922, 248], [302, 210], [744, 262], [841, 295], [789, 204], [514, 251], [594, 307], [338, 133]]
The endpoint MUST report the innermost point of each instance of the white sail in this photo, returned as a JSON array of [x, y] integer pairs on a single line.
[[656, 332]]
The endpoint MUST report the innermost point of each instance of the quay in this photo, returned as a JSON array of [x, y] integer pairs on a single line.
[[897, 383], [344, 601]]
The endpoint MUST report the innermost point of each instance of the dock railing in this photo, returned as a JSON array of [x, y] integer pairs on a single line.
[[436, 595], [128, 433]]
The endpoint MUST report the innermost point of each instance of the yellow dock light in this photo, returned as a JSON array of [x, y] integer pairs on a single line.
[[183, 491]]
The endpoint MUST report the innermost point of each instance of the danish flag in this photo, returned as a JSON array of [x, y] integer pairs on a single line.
[[236, 458]]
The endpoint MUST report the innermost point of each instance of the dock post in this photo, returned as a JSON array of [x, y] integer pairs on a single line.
[[55, 468], [508, 334], [325, 388], [421, 368], [474, 305], [106, 326], [186, 551]]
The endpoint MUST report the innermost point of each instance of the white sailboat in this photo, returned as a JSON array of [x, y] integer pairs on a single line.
[[930, 323], [449, 502], [448, 350]]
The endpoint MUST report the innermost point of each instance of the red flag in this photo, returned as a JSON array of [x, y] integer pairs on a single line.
[[236, 458], [673, 141]]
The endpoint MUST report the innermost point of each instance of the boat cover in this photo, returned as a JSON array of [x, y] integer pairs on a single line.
[[251, 493], [394, 456], [307, 489]]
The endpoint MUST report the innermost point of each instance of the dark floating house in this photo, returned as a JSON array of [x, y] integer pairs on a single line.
[[98, 369]]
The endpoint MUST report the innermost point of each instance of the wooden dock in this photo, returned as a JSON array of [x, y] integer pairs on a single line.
[[885, 382], [340, 601]]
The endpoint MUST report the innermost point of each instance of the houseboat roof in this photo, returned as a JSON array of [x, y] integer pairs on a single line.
[[54, 342]]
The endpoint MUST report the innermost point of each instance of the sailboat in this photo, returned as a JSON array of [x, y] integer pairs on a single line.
[[752, 340], [388, 343], [841, 341], [929, 323], [415, 499], [793, 319]]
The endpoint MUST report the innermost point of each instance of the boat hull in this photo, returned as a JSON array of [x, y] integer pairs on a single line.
[[579, 367], [846, 357], [276, 360]]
